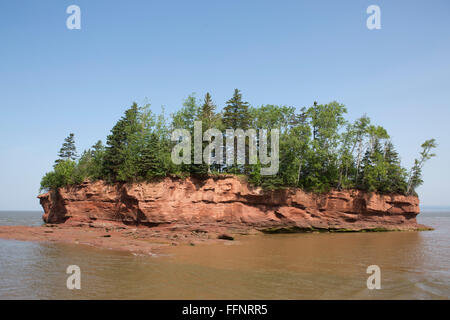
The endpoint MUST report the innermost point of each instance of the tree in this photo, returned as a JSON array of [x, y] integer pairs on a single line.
[[185, 117], [415, 176], [207, 112], [318, 149], [209, 120], [90, 164], [373, 170], [61, 176], [292, 140], [98, 158], [68, 150], [396, 175], [352, 151], [236, 112], [326, 122], [119, 142], [236, 115], [151, 164]]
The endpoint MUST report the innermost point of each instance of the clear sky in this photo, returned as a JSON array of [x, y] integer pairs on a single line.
[[54, 81]]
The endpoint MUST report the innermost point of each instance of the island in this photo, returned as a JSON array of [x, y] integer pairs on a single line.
[[147, 188]]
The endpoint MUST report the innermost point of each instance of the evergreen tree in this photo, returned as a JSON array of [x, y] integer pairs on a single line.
[[207, 111], [209, 120], [151, 164], [119, 141], [68, 150], [373, 171], [236, 113], [395, 180]]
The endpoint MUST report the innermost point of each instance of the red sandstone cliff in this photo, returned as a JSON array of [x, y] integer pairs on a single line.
[[228, 202]]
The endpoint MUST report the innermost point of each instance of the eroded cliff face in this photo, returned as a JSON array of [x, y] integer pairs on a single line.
[[231, 203]]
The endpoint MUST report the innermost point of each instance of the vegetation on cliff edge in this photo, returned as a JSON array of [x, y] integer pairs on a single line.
[[319, 149]]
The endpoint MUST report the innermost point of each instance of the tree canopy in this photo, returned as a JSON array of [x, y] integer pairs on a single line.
[[319, 148]]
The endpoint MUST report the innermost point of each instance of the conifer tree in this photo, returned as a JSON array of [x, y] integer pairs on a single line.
[[372, 169], [395, 179], [151, 164], [68, 150], [119, 140], [207, 112], [236, 115], [209, 120]]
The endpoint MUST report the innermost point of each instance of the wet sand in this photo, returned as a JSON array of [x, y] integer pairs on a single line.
[[114, 236]]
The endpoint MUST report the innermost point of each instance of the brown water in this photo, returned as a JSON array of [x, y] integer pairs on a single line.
[[414, 265]]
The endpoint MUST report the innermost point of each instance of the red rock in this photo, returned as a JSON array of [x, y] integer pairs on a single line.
[[227, 202]]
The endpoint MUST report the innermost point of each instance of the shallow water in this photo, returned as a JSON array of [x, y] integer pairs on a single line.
[[414, 265]]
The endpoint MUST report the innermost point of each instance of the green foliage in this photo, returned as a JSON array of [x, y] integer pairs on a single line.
[[236, 113], [68, 150], [326, 122], [319, 149], [62, 175], [185, 117], [120, 144], [207, 114], [154, 159], [373, 170], [415, 175], [90, 164], [395, 175]]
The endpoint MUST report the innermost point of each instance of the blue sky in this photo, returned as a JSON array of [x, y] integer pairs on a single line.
[[54, 81]]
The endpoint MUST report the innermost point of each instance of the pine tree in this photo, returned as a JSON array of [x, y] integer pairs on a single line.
[[68, 150], [236, 113], [395, 179], [150, 164], [372, 170], [209, 120], [119, 140], [207, 115]]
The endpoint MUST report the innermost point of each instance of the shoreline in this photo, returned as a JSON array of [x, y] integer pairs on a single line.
[[119, 237], [146, 240]]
